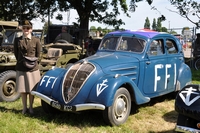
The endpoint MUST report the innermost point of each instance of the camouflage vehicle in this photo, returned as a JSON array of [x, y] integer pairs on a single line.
[[60, 53], [7, 61]]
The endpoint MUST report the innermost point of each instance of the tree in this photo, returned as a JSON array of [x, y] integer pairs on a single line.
[[159, 25], [154, 24], [17, 10], [186, 8], [93, 10], [164, 29], [45, 27], [88, 10], [147, 23], [92, 28]]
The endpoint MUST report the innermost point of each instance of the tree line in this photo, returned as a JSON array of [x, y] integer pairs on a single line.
[[102, 11]]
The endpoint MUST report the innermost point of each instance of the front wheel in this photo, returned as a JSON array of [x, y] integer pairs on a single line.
[[118, 113], [197, 64]]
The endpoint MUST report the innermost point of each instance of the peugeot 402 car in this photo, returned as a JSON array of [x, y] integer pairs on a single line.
[[129, 68]]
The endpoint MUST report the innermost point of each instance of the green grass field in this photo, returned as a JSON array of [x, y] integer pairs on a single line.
[[158, 116]]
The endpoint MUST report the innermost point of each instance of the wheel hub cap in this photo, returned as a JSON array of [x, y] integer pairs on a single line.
[[120, 107]]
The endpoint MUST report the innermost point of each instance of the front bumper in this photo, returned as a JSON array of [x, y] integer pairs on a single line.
[[186, 129], [75, 108]]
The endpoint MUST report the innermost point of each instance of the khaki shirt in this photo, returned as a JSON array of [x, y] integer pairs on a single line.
[[28, 47], [65, 36]]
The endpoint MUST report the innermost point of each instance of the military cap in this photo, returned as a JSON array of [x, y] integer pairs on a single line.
[[26, 23]]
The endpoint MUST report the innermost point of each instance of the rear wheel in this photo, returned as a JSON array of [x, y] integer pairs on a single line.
[[118, 113], [8, 86], [197, 64]]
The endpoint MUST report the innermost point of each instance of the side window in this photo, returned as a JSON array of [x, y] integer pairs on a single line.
[[156, 48], [171, 47]]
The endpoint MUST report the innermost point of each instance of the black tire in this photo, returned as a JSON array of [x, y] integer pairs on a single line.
[[8, 86], [197, 64], [186, 121], [48, 109], [118, 113], [192, 110]]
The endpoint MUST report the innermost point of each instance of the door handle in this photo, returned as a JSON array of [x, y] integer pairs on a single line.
[[148, 62], [181, 58]]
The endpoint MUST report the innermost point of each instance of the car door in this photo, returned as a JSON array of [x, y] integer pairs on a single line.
[[154, 77], [174, 59]]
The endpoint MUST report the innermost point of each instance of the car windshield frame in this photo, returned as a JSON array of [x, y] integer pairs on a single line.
[[123, 43]]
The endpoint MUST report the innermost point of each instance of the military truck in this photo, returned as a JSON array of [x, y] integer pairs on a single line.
[[60, 53], [7, 61]]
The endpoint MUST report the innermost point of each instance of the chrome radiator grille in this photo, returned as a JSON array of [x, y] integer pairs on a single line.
[[75, 78]]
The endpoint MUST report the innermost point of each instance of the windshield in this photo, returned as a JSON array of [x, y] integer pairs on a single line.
[[131, 44], [9, 37], [110, 43]]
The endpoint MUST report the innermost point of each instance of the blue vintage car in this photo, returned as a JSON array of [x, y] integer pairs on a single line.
[[130, 67]]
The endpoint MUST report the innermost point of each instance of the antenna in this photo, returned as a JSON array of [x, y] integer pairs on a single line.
[[68, 16]]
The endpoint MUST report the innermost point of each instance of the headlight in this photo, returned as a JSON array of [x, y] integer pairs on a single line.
[[7, 58]]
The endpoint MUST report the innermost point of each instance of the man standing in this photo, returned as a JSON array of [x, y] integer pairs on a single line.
[[64, 35]]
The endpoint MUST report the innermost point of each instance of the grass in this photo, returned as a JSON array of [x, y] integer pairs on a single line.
[[157, 116]]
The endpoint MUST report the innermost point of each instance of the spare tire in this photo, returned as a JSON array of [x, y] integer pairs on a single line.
[[8, 86], [187, 101]]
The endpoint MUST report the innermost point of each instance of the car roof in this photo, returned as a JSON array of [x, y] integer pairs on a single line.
[[142, 32]]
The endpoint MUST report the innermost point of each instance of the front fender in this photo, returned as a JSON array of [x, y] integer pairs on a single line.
[[105, 88], [66, 58], [51, 84]]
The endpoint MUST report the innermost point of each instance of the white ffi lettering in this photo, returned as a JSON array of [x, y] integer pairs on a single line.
[[43, 80], [174, 74], [53, 83], [49, 80], [166, 74], [157, 78]]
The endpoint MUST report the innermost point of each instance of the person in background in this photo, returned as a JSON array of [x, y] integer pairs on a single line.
[[182, 41], [64, 35], [196, 46], [26, 79]]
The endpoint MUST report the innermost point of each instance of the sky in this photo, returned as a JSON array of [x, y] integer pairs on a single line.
[[136, 21]]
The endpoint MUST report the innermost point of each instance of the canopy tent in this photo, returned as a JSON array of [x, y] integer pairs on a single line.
[[9, 23]]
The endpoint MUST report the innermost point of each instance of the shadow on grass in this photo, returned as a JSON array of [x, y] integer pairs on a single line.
[[85, 118], [153, 101], [4, 109], [82, 119]]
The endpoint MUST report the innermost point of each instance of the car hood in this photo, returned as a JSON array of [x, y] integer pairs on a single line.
[[108, 59]]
